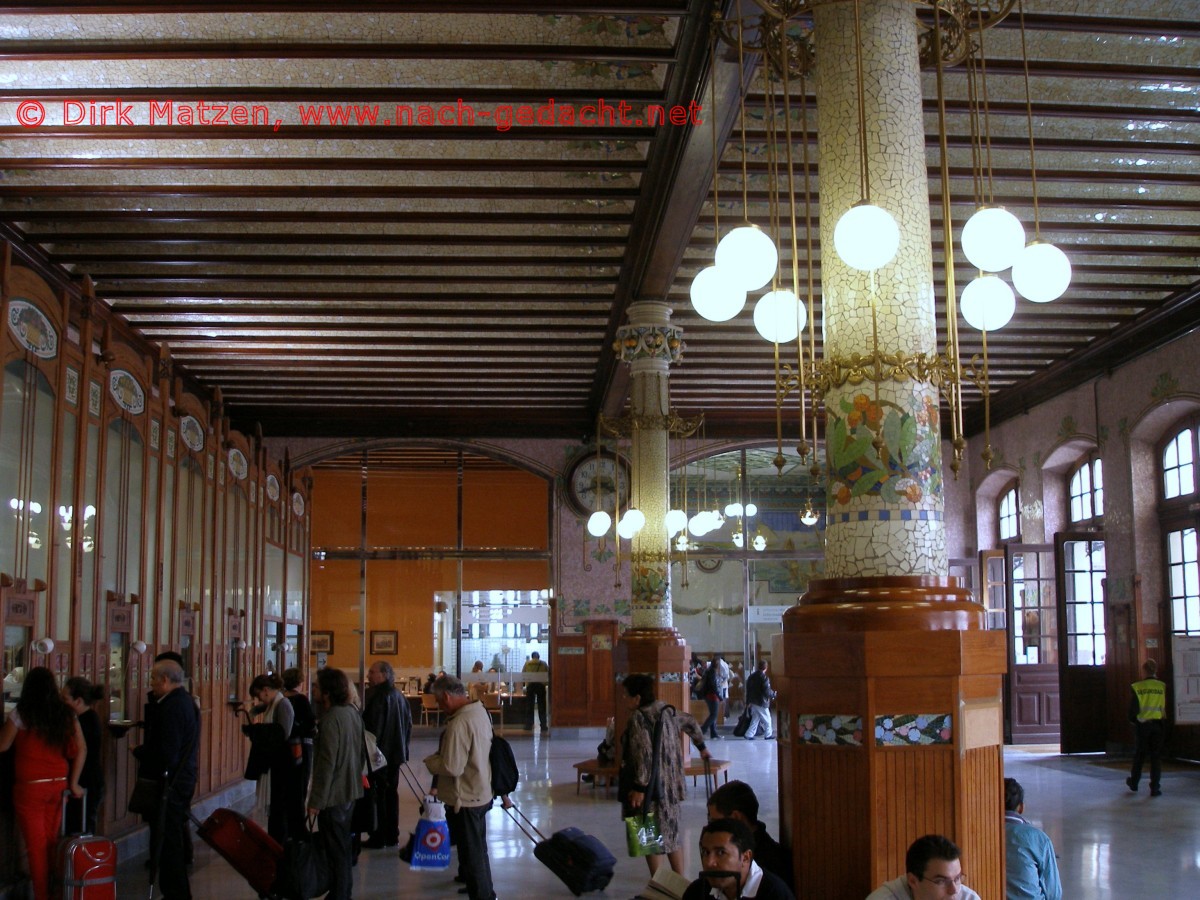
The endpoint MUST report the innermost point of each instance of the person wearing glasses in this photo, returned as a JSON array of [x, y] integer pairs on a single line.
[[933, 872]]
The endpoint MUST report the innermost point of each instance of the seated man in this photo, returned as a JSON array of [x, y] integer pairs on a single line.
[[737, 800], [727, 867], [933, 871], [1032, 870]]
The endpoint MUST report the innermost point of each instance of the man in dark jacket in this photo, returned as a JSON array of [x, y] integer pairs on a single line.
[[758, 700], [387, 715], [171, 745]]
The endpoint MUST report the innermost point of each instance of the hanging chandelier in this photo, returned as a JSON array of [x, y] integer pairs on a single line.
[[867, 236]]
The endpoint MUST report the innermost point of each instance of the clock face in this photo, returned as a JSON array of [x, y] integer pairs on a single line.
[[594, 482]]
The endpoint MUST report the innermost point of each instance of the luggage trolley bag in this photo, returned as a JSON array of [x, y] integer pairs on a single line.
[[243, 844], [580, 861], [87, 864]]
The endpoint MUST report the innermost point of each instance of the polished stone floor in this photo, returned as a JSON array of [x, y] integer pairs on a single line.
[[1112, 844]]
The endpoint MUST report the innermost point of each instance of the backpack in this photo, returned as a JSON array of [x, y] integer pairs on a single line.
[[504, 767]]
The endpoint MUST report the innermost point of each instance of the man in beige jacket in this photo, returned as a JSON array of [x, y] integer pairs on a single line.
[[464, 781]]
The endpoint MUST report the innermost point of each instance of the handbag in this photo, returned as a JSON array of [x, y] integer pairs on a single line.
[[147, 795], [642, 835], [304, 870], [373, 758]]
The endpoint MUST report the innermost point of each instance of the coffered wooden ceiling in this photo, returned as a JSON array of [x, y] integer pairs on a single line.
[[344, 278]]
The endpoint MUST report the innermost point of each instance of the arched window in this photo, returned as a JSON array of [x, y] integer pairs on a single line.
[[1087, 491], [1178, 464], [1010, 523], [1180, 520]]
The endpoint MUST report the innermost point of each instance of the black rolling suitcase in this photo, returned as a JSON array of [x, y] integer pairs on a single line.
[[743, 723], [578, 859]]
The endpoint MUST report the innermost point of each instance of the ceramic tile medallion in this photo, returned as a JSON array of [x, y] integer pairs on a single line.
[[126, 391], [909, 730], [238, 464], [192, 433], [829, 729], [32, 329]]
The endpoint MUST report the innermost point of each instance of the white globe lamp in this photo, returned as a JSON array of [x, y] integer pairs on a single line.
[[751, 509], [866, 237], [675, 522], [760, 543], [1041, 272], [779, 316], [749, 256], [992, 238], [716, 294], [598, 523], [988, 303]]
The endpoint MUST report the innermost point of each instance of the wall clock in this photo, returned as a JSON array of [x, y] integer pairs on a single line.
[[594, 481]]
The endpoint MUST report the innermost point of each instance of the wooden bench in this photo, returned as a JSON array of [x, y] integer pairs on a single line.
[[598, 770], [695, 768], [608, 771]]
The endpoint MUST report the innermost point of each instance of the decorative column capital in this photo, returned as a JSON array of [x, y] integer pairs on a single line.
[[654, 342]]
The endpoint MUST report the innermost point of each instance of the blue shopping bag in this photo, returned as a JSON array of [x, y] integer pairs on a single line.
[[431, 841]]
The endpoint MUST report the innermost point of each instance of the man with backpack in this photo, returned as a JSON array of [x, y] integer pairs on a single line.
[[464, 781]]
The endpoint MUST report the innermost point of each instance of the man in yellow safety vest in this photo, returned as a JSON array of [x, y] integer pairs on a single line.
[[1147, 712]]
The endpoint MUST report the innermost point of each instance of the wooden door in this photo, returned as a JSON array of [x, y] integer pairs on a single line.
[[1083, 642], [1034, 707]]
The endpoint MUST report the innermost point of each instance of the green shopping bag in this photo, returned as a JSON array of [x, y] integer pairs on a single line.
[[643, 836]]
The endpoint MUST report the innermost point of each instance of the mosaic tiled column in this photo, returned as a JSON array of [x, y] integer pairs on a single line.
[[890, 692], [649, 344], [884, 500]]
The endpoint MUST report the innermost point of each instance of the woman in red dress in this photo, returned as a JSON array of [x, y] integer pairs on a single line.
[[48, 759]]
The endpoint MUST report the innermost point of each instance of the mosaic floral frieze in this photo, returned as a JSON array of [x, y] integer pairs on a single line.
[[829, 729], [910, 730], [907, 467]]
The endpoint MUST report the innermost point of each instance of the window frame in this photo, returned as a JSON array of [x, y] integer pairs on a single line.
[[1012, 489]]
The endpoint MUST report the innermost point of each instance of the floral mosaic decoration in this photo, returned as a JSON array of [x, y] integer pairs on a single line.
[[907, 468], [827, 729], [910, 730]]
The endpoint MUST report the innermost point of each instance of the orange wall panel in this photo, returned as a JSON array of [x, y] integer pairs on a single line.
[[489, 501], [400, 596], [337, 510], [412, 509]]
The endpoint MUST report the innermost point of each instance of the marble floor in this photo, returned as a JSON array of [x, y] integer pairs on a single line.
[[1111, 843]]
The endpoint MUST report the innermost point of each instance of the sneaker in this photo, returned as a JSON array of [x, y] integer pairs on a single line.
[[1155, 792], [1131, 783], [749, 738], [769, 737]]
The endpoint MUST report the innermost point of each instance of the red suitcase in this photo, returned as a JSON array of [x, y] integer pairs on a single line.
[[87, 865], [244, 845]]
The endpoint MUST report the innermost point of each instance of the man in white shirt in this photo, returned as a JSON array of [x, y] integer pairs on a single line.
[[727, 867], [934, 872]]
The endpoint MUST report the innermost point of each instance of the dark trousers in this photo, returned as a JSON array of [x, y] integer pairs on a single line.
[[176, 839], [468, 832], [387, 795], [1149, 738], [333, 825], [281, 816], [537, 704], [710, 724]]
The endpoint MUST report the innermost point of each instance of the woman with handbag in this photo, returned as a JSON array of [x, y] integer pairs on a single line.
[[48, 759], [651, 777], [285, 803]]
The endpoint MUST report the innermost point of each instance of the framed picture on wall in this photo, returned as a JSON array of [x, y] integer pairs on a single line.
[[320, 642], [383, 643]]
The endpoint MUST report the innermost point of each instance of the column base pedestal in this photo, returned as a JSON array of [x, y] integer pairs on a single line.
[[890, 727]]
